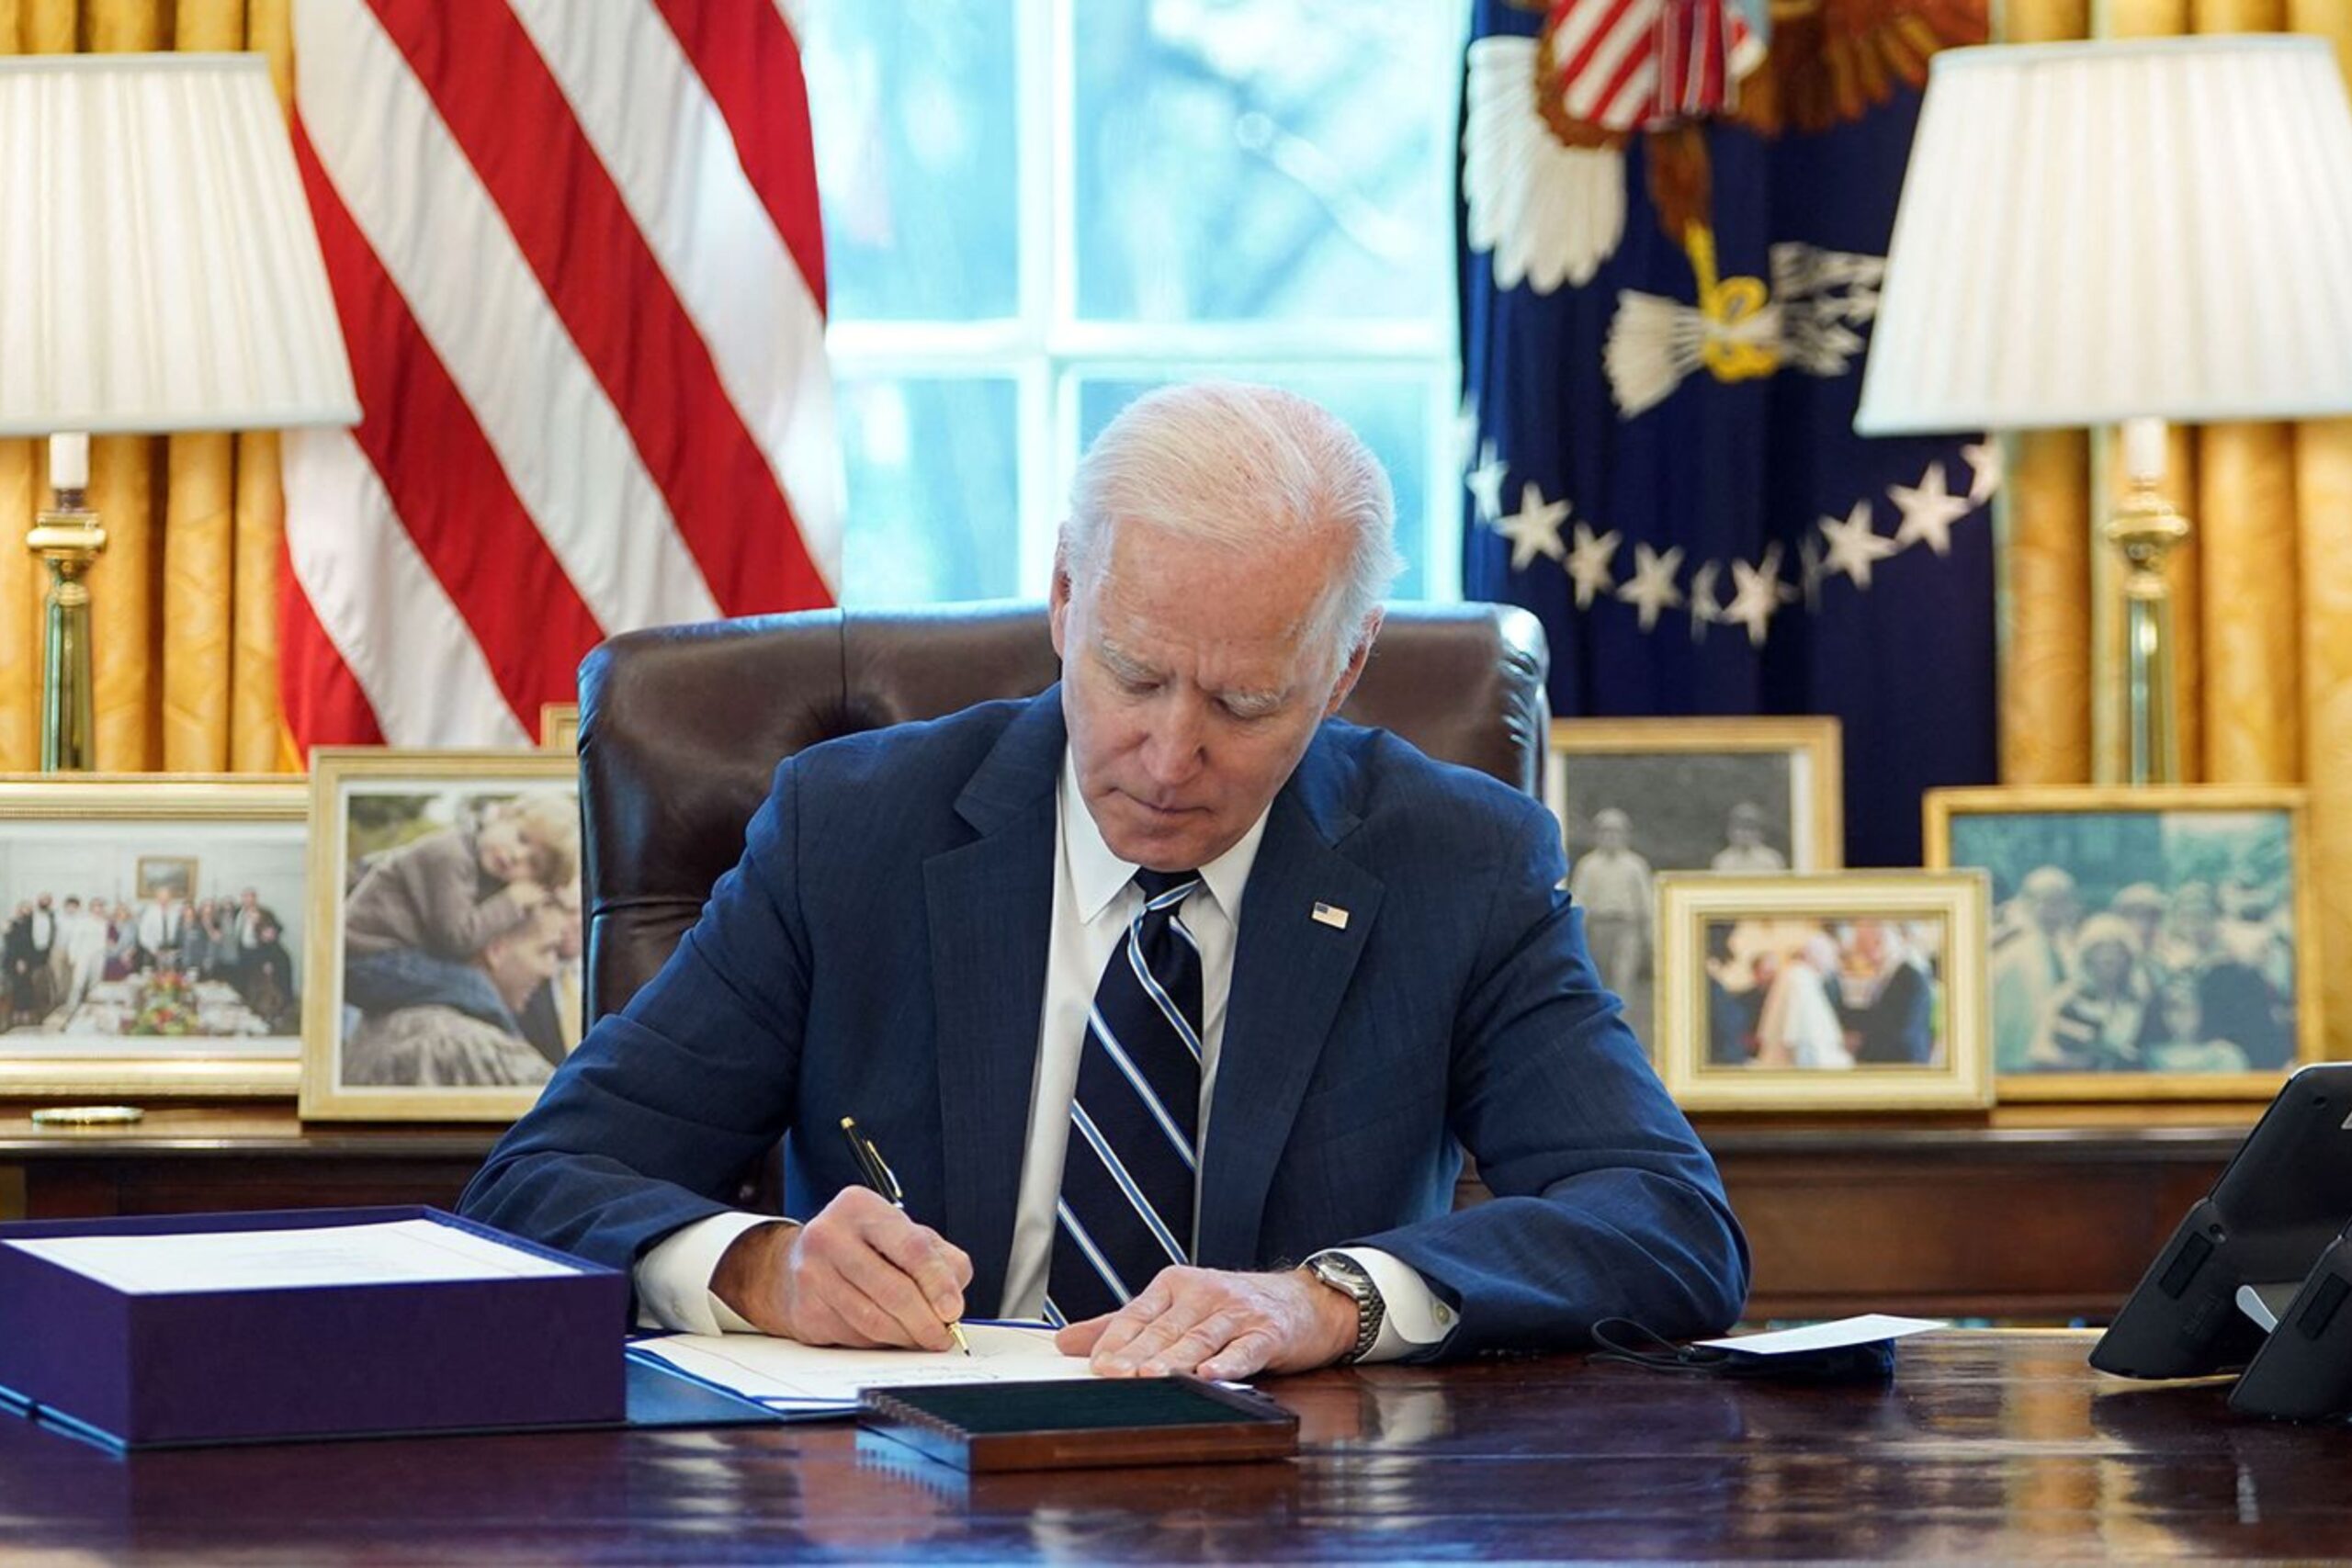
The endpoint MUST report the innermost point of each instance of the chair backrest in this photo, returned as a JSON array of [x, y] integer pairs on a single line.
[[681, 728]]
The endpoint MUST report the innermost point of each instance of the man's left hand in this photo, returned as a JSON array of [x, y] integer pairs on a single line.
[[1218, 1324]]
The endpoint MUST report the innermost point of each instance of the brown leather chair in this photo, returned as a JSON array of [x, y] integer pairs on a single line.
[[681, 728]]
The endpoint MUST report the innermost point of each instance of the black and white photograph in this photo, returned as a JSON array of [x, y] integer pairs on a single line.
[[1635, 797], [449, 927], [2143, 941], [147, 946], [1853, 990]]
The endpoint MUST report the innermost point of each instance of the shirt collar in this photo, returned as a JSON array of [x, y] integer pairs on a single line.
[[1096, 876]]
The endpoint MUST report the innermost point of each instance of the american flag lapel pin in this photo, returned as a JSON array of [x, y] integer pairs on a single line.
[[1331, 915]]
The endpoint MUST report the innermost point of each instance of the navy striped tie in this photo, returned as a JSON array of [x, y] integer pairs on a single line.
[[1128, 1176]]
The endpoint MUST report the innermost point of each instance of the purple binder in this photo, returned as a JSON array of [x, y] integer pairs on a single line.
[[240, 1366]]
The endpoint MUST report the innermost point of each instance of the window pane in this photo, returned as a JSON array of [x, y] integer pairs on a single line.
[[933, 508], [1388, 411], [1262, 159], [911, 107]]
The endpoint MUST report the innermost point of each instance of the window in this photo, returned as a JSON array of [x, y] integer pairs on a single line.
[[1037, 210]]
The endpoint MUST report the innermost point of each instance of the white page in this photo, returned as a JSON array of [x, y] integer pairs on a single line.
[[394, 1252], [1866, 1330], [784, 1372]]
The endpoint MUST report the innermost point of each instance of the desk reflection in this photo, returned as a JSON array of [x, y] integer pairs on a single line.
[[1985, 1447]]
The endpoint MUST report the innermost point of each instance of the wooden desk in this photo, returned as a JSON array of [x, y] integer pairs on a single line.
[[1987, 1446], [2032, 1212]]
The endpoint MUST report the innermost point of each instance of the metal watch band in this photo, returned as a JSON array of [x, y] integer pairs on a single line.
[[1344, 1273]]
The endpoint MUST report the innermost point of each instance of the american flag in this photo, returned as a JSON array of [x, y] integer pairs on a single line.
[[574, 244], [1631, 65]]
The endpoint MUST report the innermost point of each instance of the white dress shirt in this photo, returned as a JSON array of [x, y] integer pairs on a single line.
[[1094, 898]]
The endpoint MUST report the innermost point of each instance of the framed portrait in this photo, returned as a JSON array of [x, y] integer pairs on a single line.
[[174, 872], [445, 936], [2147, 944], [559, 727], [1854, 991], [153, 942], [1639, 796]]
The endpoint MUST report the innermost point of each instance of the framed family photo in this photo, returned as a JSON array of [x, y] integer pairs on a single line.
[[445, 934], [1639, 796], [154, 939], [1857, 991], [2150, 942]]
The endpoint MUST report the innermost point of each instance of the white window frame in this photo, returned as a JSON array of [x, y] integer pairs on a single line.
[[1046, 350]]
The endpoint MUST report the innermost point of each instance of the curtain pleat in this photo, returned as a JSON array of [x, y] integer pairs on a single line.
[[198, 521], [2046, 670], [2244, 512], [185, 599]]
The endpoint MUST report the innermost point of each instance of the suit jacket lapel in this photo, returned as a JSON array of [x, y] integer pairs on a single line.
[[1290, 973], [991, 907]]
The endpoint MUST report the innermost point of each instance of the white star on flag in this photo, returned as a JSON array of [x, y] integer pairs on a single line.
[[1985, 469], [1852, 547], [1929, 510], [1757, 594], [1534, 529], [1704, 609], [1485, 483], [1652, 590], [1588, 565]]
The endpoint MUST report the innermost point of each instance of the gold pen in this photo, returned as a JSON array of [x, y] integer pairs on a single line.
[[880, 1177]]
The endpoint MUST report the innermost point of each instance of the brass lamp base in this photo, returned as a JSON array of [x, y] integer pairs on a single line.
[[68, 539], [2144, 528]]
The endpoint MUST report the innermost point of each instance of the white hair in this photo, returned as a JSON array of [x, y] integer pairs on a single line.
[[1242, 468]]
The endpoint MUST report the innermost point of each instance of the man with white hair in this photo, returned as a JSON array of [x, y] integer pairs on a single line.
[[1172, 1001], [2032, 961]]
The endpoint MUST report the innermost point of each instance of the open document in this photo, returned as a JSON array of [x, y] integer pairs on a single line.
[[796, 1379]]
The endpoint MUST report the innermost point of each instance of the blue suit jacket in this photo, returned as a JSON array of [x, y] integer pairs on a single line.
[[880, 952]]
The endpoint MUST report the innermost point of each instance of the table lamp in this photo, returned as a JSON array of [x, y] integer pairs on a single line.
[[2121, 232], [158, 272]]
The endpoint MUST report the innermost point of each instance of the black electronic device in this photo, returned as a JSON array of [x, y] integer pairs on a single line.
[[2303, 1370], [2285, 1196]]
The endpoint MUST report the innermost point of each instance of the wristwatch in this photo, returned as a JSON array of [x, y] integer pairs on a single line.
[[1343, 1273]]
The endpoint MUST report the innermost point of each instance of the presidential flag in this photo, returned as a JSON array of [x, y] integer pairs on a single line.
[[1673, 222], [576, 254]]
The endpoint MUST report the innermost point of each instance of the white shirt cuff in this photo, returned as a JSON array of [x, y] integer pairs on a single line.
[[673, 1277], [1415, 1318]]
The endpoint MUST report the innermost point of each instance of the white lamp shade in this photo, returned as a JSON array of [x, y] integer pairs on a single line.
[[158, 268], [2091, 233]]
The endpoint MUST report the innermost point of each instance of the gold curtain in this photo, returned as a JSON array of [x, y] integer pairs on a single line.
[[185, 599], [2262, 592]]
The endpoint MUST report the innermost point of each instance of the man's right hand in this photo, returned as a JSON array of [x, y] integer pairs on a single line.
[[860, 1274]]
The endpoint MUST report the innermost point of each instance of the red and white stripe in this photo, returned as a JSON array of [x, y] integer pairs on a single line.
[[576, 254], [1640, 64]]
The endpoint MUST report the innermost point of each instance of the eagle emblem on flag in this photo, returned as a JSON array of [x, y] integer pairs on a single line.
[[1548, 118]]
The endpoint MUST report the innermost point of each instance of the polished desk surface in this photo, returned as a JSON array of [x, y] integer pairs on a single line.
[[1986, 1445]]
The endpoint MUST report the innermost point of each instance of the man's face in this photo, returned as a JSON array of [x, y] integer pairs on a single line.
[[1192, 680], [1870, 940], [43, 902], [2054, 911]]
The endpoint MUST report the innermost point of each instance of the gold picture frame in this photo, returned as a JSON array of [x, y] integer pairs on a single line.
[[151, 873], [246, 831], [2200, 974], [1679, 784], [1849, 991], [559, 727], [427, 998]]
